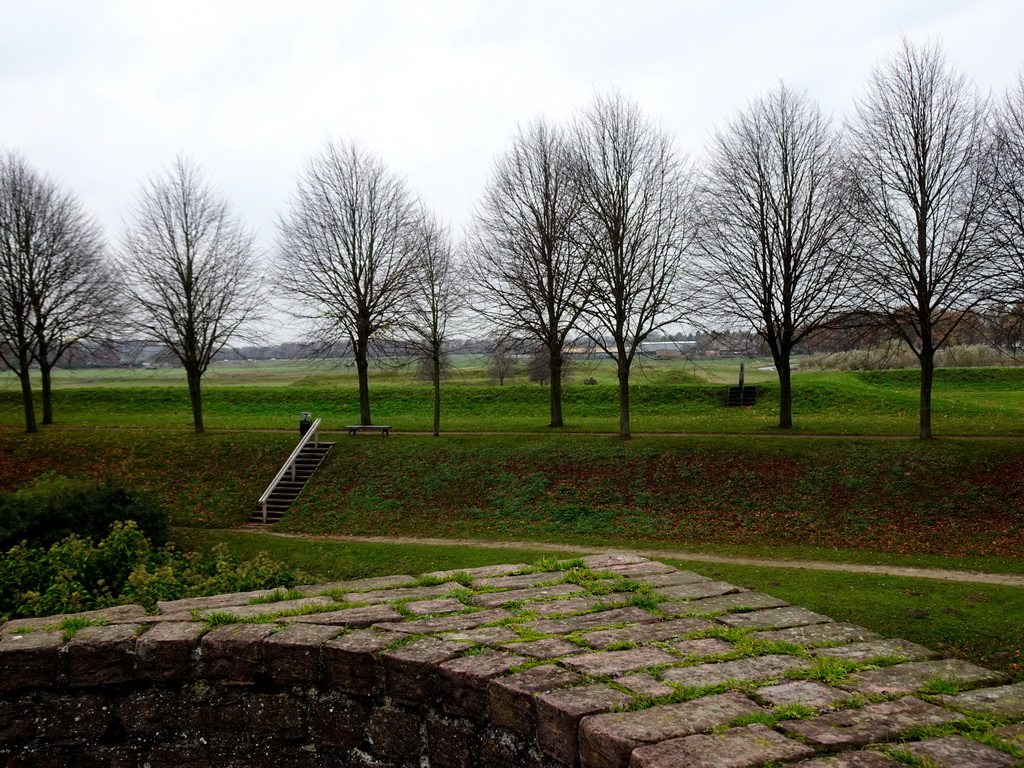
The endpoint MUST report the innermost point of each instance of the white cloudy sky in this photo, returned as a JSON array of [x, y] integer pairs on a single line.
[[102, 93]]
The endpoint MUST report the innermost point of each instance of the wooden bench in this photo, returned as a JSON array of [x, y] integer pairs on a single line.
[[354, 428]]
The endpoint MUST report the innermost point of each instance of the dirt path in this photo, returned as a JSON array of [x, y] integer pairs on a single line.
[[1009, 580]]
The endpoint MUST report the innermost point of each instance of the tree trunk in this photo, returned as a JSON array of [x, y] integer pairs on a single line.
[[623, 366], [785, 371], [26, 400], [436, 376], [362, 370], [927, 359], [47, 389], [195, 395], [555, 366]]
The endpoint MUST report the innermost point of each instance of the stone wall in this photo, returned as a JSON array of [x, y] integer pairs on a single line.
[[617, 663]]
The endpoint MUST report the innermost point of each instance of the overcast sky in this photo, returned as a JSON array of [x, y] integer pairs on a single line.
[[100, 94]]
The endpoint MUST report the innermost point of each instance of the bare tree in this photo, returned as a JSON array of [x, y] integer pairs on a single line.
[[346, 251], [192, 274], [503, 353], [637, 228], [529, 274], [55, 289], [436, 301], [775, 226], [1008, 177], [919, 145]]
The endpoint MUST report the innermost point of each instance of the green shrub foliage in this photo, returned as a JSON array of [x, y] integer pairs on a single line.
[[79, 574], [55, 507]]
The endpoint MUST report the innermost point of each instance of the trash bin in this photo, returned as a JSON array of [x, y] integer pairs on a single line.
[[305, 422]]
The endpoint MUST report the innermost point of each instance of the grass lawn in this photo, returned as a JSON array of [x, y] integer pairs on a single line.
[[982, 623]]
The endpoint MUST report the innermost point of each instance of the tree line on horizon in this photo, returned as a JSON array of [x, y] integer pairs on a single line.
[[909, 215]]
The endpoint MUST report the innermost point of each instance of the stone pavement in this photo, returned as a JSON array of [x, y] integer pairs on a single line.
[[615, 661]]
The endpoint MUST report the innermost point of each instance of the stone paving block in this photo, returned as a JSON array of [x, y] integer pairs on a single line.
[[402, 593], [865, 759], [293, 654], [699, 590], [410, 671], [168, 651], [959, 752], [643, 684], [483, 635], [895, 648], [854, 728], [611, 560], [481, 572], [352, 661], [233, 654], [631, 615], [1003, 701], [494, 599], [630, 570], [548, 648], [28, 660], [818, 634], [905, 678], [355, 585], [670, 579], [618, 662], [559, 714], [1010, 733], [750, 746], [710, 606], [607, 740], [118, 614], [464, 681], [567, 605], [704, 646], [646, 633], [435, 607], [213, 603], [102, 655], [518, 582], [445, 623], [511, 698], [806, 692], [774, 618], [267, 609], [754, 668], [354, 618]]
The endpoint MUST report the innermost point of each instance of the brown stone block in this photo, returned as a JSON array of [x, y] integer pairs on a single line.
[[118, 614], [618, 662], [607, 740], [670, 579], [212, 603], [646, 633], [353, 661], [179, 757], [754, 668], [775, 618], [437, 607], [519, 582], [464, 681], [481, 572], [445, 623], [17, 724], [817, 634], [750, 746], [511, 698], [394, 733], [631, 570], [29, 660], [36, 760], [865, 759], [548, 648], [571, 605], [449, 745], [699, 590], [590, 621], [233, 654], [704, 646], [495, 599], [279, 715], [410, 671], [864, 652], [151, 712], [644, 685], [854, 728], [352, 618], [711, 606], [215, 708], [110, 757], [906, 678], [806, 692], [559, 714], [255, 610], [337, 721], [293, 654], [959, 751], [402, 593], [73, 719], [482, 635], [168, 651], [1003, 701], [355, 585], [612, 560], [102, 655]]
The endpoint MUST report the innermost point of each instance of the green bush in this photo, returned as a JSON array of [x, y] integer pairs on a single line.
[[55, 507], [78, 574]]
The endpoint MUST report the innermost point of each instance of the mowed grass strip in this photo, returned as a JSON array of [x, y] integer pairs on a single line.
[[966, 402]]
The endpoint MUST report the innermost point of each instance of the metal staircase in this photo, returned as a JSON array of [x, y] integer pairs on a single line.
[[292, 477]]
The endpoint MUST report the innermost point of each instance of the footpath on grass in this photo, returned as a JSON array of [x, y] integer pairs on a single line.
[[941, 574]]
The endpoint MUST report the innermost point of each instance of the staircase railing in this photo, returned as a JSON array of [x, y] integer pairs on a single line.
[[313, 435]]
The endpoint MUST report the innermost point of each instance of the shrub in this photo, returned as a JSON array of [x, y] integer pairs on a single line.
[[55, 507], [78, 574]]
